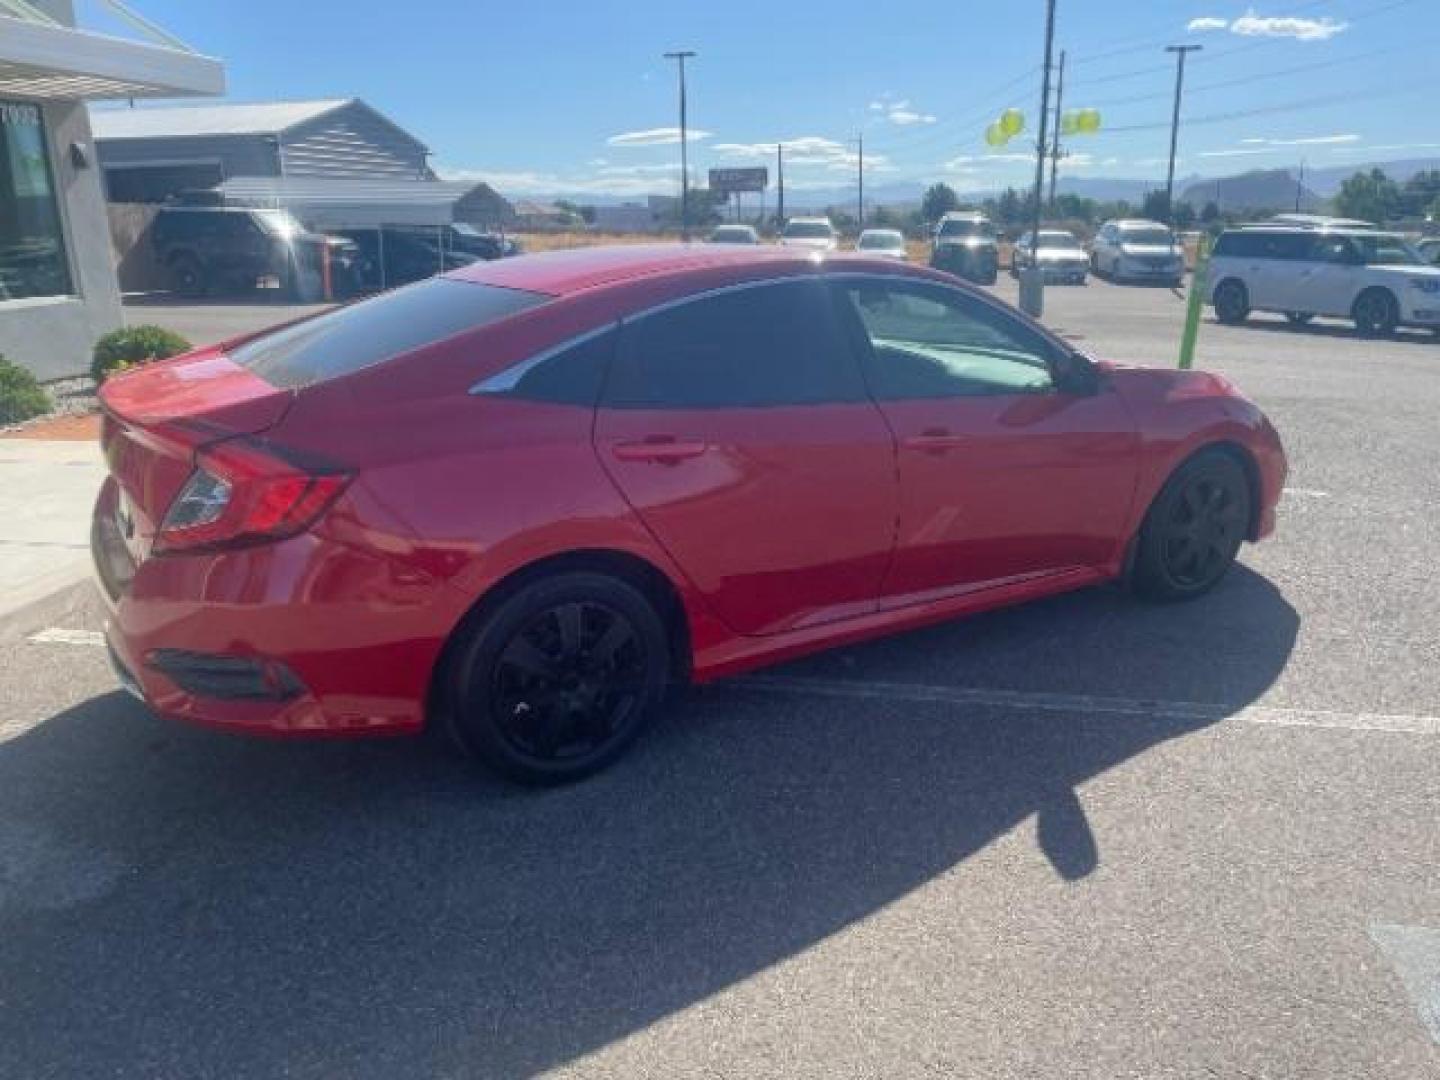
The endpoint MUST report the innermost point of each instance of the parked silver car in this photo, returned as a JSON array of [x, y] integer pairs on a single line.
[[1058, 254], [1136, 250]]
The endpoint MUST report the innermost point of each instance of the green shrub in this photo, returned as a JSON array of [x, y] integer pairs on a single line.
[[20, 395], [132, 346]]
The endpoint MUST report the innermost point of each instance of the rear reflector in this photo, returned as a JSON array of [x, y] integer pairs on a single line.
[[226, 677], [245, 493]]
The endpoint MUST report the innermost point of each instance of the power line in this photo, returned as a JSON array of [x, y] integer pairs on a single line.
[[1293, 106]]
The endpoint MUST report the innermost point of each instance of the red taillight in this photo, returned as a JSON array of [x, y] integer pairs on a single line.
[[242, 493]]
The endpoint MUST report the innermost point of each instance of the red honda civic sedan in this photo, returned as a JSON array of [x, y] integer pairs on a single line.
[[524, 498]]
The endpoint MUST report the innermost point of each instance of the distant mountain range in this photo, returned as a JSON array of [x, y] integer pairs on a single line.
[[1262, 189]]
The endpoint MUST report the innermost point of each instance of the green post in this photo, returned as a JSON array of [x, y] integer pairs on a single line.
[[1196, 302]]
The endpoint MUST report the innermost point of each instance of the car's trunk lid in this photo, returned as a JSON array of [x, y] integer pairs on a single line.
[[155, 418]]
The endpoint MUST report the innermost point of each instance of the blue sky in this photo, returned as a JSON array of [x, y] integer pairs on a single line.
[[574, 97]]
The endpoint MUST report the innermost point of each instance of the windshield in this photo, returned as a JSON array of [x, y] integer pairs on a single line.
[[1059, 240], [881, 240], [735, 234], [967, 228], [279, 223], [809, 230], [1147, 237], [1381, 249]]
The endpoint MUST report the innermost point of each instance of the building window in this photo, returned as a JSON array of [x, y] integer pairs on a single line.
[[32, 247]]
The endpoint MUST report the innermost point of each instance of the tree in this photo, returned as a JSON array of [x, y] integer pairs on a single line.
[[1210, 213], [1421, 194], [1075, 208], [939, 199], [1369, 196], [1155, 206], [1184, 215]]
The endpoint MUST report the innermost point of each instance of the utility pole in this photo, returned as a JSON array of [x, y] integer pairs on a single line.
[[1299, 185], [1032, 284], [1179, 51], [860, 200], [680, 56], [780, 192], [1055, 140]]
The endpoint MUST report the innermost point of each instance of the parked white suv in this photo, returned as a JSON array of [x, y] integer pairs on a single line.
[[1138, 250], [1375, 279]]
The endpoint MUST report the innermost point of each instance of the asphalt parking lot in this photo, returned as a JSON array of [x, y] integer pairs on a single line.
[[1087, 838]]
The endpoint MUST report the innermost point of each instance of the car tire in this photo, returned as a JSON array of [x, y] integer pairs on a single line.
[[1231, 301], [1376, 313], [188, 278], [1194, 528], [1299, 318], [559, 679]]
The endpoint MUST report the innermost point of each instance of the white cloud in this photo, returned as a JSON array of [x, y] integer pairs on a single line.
[[1314, 140], [1387, 148], [1252, 25], [661, 136], [906, 117], [1204, 23], [877, 106], [1245, 152], [805, 150], [526, 183]]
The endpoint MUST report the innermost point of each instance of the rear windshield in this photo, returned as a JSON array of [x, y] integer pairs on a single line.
[[1058, 240], [809, 230], [1151, 237], [966, 227], [881, 240], [349, 339]]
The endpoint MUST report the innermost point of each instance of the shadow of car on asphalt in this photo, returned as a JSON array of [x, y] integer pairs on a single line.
[[1405, 335], [380, 909]]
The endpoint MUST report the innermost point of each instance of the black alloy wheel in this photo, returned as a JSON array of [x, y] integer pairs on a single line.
[[1232, 302], [1376, 313], [1194, 528], [562, 678]]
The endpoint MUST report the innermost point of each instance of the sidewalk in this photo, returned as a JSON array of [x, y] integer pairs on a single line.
[[47, 488]]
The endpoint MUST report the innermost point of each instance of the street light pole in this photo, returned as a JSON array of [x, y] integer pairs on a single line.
[[680, 56], [1032, 283], [860, 199], [1055, 139], [1180, 52], [780, 180]]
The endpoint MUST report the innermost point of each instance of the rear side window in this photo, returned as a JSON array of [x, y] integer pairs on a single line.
[[768, 345], [350, 339]]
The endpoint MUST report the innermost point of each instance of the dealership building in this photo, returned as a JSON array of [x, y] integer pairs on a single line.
[[58, 290]]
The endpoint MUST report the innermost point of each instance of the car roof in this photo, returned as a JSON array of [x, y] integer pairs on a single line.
[[887, 232], [1312, 230], [560, 273], [1138, 223]]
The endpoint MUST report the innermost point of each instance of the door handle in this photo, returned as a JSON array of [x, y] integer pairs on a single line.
[[661, 449], [935, 441]]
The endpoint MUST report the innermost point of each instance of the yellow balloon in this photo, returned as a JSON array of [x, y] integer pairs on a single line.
[[1089, 121], [995, 135], [1069, 123], [1012, 122]]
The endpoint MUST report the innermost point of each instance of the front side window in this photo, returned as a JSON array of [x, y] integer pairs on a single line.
[[764, 346], [1385, 249], [930, 342], [32, 247]]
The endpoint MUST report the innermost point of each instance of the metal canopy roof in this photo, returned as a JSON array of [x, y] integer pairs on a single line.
[[44, 59], [173, 121], [328, 202]]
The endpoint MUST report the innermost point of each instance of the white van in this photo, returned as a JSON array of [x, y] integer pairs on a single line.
[[1375, 279]]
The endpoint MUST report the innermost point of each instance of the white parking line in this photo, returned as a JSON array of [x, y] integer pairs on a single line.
[[57, 635], [1092, 705], [1307, 493], [1401, 723]]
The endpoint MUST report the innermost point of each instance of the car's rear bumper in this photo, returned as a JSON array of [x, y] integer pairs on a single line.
[[303, 637]]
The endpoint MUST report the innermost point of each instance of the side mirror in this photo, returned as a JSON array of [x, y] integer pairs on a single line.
[[1075, 373]]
